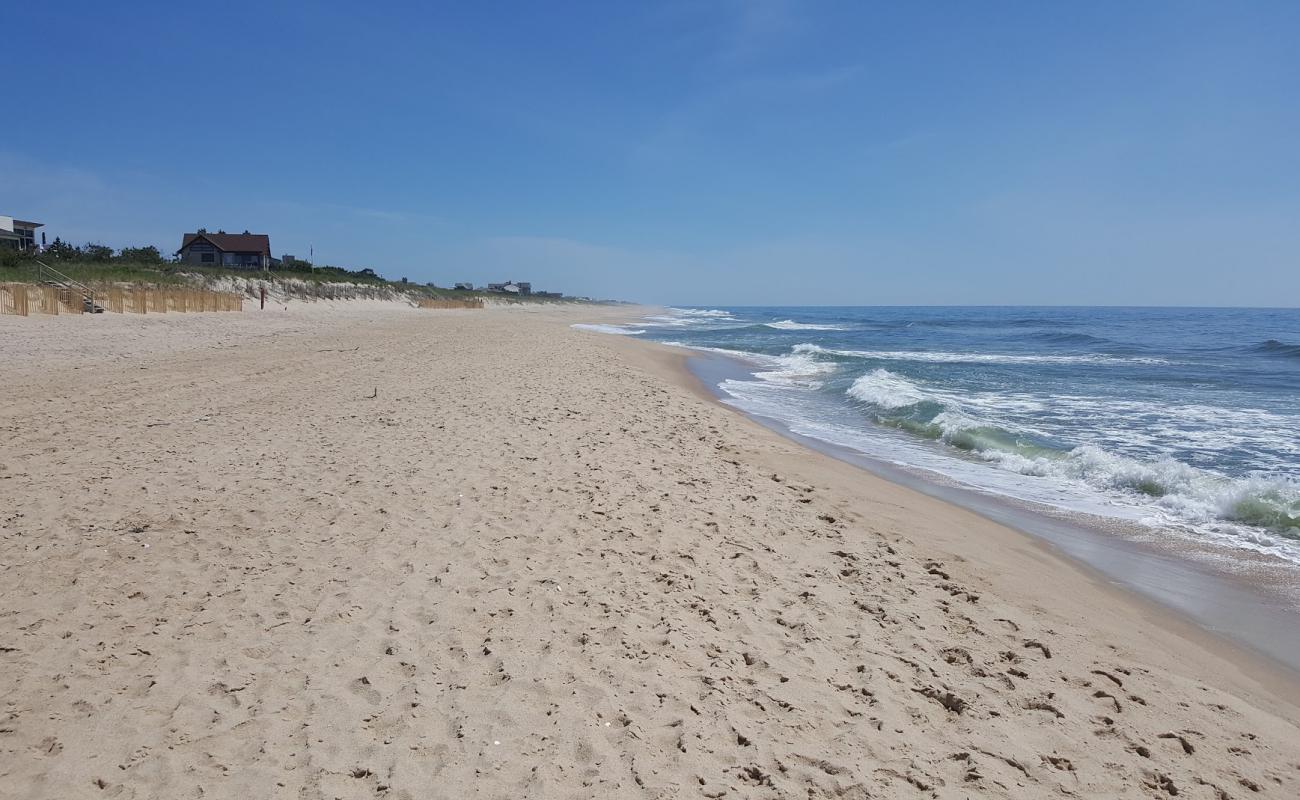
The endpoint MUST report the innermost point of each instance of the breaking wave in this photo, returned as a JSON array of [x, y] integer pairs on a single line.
[[980, 358], [618, 330], [713, 313], [1177, 493], [884, 389], [791, 325], [794, 369], [694, 319]]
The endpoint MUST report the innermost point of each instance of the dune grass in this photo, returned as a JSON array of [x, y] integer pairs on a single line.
[[171, 275]]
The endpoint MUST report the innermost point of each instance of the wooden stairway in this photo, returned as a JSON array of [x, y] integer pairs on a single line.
[[52, 277]]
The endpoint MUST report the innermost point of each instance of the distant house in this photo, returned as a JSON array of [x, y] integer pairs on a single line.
[[17, 234], [511, 287], [237, 250], [464, 287]]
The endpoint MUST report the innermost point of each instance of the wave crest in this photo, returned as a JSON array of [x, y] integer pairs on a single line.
[[884, 389], [715, 313], [791, 325], [1062, 337], [617, 330], [1273, 347]]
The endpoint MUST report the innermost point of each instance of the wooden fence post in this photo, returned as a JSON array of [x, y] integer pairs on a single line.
[[17, 303]]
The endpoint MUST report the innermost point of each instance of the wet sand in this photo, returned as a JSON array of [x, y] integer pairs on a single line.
[[387, 553]]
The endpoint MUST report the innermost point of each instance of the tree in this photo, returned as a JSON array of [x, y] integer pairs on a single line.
[[62, 251], [140, 255], [98, 252]]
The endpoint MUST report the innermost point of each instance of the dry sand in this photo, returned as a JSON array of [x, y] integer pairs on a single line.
[[540, 563]]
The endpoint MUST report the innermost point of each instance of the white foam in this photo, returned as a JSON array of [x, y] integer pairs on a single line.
[[882, 388], [617, 330], [990, 358], [697, 312], [695, 319], [1182, 493], [791, 325], [797, 368]]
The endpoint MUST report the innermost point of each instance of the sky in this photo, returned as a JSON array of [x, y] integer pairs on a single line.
[[713, 152]]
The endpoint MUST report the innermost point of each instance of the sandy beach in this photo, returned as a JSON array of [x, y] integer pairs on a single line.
[[369, 551]]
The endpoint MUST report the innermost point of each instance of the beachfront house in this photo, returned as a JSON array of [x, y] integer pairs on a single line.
[[464, 287], [511, 287], [235, 250], [18, 235]]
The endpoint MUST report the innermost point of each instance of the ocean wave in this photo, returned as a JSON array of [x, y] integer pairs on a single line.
[[1187, 495], [982, 358], [1057, 337], [798, 369], [1018, 322], [714, 313], [618, 330], [1273, 347], [695, 319], [659, 321], [791, 325], [1180, 493], [884, 389]]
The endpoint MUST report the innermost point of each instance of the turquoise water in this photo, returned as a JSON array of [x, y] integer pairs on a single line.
[[1186, 421]]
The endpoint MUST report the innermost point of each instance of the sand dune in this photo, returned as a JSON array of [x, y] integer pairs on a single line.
[[538, 564]]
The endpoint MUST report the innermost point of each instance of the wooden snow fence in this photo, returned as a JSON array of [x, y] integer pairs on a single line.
[[15, 299], [25, 298], [431, 303], [139, 300]]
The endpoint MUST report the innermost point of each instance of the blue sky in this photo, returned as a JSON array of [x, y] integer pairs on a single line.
[[709, 152]]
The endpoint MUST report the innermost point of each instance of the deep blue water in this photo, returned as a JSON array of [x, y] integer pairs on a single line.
[[1183, 420]]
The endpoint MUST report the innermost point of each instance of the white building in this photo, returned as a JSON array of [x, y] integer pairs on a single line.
[[17, 234]]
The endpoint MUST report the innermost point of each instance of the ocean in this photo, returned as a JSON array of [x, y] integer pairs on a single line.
[[1177, 421]]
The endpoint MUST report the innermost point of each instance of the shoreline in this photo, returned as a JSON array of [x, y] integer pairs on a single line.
[[480, 553], [1173, 574]]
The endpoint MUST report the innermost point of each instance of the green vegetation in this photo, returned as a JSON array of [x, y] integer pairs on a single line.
[[25, 271], [96, 264]]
